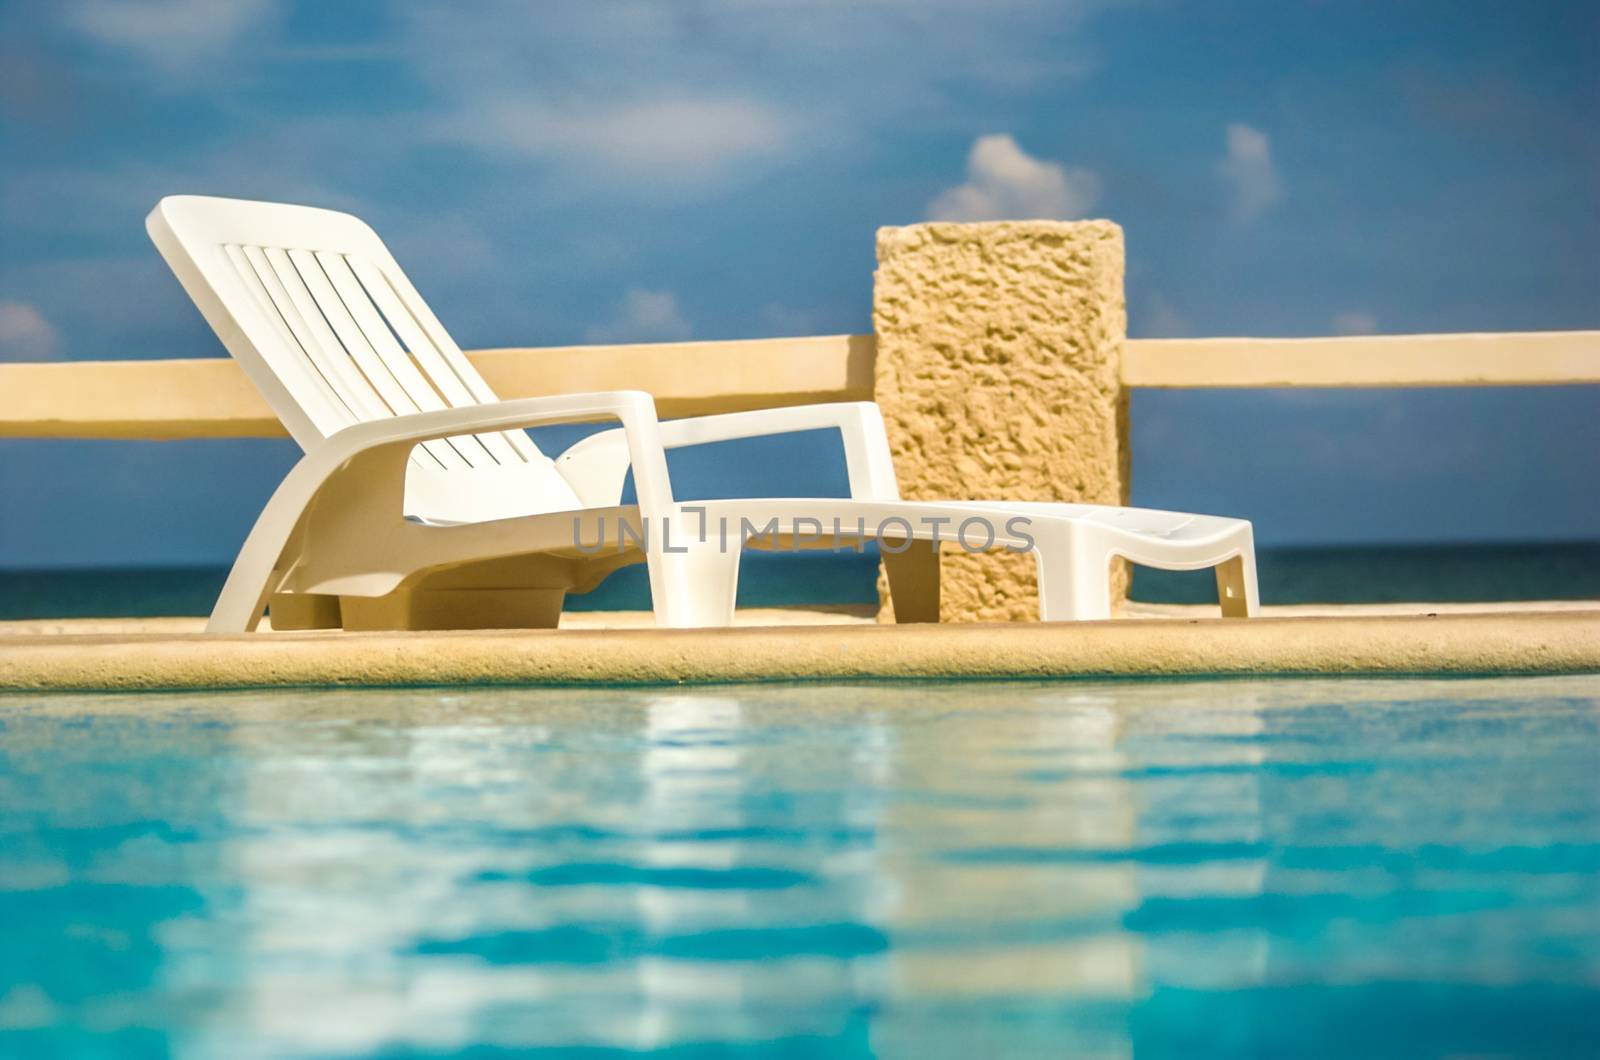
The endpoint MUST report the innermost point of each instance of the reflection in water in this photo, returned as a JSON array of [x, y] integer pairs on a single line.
[[749, 936], [1163, 868]]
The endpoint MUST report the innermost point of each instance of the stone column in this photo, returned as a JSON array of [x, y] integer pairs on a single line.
[[998, 358]]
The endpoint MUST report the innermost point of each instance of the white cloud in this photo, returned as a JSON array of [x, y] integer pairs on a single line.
[[1254, 186], [1355, 322], [1004, 182], [643, 316], [657, 98], [649, 138], [171, 34], [25, 335], [677, 96]]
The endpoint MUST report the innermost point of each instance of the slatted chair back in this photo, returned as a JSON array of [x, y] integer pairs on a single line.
[[322, 319]]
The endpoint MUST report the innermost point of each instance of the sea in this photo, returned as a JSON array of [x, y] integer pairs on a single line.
[[1332, 575]]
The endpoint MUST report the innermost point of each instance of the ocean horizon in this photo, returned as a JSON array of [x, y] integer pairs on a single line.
[[1301, 575]]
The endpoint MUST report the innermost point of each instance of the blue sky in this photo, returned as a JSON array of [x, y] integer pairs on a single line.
[[559, 173]]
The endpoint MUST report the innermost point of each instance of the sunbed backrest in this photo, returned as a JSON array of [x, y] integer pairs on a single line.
[[325, 323]]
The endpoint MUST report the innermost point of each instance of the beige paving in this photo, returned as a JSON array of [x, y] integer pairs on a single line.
[[171, 654]]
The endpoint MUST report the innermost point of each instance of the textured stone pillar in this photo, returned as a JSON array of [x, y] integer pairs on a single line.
[[997, 371]]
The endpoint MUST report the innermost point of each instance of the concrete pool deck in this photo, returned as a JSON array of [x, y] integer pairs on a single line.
[[838, 645]]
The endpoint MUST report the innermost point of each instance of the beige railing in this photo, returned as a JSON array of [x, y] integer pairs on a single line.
[[1515, 358], [211, 398]]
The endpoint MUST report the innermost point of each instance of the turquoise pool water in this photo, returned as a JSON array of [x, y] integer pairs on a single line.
[[1272, 868]]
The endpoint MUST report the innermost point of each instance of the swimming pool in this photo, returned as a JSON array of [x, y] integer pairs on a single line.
[[1398, 867]]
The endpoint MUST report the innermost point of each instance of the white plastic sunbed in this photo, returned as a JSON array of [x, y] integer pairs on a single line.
[[418, 484]]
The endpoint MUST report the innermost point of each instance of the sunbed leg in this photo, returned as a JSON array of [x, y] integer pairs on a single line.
[[1074, 575], [242, 602], [913, 579], [303, 611], [252, 580], [1236, 586], [700, 585]]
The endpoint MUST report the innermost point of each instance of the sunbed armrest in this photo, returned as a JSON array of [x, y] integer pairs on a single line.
[[596, 466], [638, 438]]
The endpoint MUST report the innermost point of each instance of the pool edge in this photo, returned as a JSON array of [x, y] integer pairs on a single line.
[[1554, 642]]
